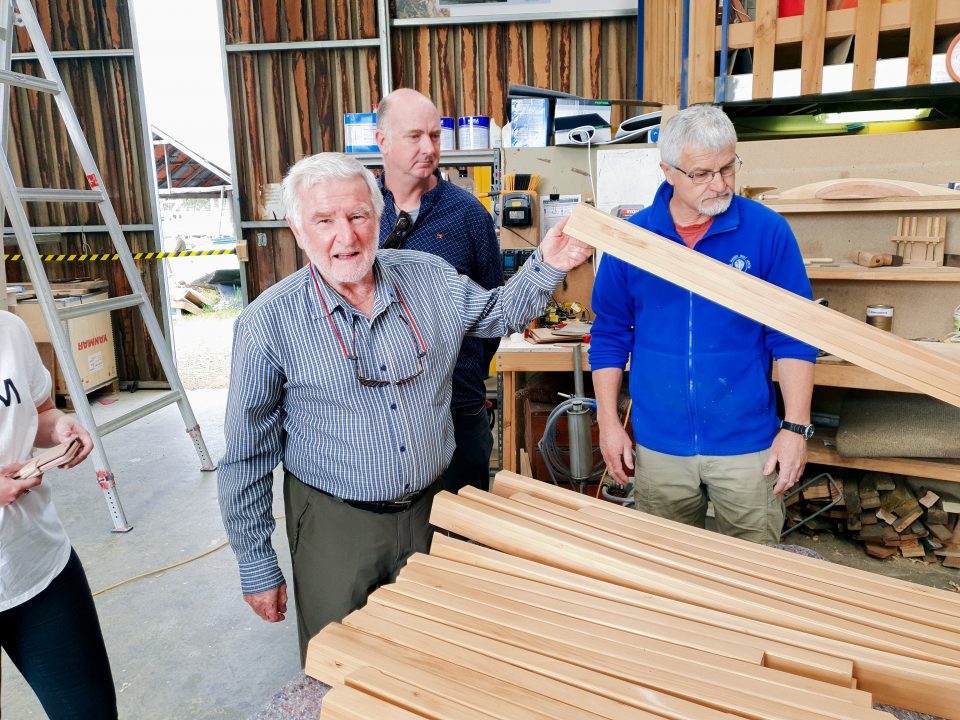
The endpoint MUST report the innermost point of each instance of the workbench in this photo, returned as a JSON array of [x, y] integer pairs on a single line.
[[519, 356]]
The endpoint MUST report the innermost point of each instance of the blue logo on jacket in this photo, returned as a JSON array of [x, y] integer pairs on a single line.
[[740, 262]]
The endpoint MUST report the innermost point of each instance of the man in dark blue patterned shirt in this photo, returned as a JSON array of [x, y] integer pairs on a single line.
[[422, 211]]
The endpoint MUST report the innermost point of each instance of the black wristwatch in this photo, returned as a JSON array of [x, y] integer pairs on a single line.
[[805, 430]]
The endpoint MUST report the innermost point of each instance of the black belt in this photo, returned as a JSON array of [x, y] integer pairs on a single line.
[[384, 506]]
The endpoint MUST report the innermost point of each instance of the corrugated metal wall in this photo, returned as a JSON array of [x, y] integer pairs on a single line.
[[287, 103], [104, 92]]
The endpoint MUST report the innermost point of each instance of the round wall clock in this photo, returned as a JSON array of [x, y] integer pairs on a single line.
[[953, 59]]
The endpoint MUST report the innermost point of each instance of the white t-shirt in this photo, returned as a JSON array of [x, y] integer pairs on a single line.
[[33, 544]]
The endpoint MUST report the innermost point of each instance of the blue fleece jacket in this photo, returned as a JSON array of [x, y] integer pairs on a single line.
[[700, 374]]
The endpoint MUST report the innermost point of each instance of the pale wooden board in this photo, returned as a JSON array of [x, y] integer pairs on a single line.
[[864, 345], [764, 37], [803, 586], [702, 678], [897, 680], [345, 703], [533, 618], [851, 579], [527, 670], [695, 581], [865, 45], [861, 188], [923, 18], [811, 51], [656, 621]]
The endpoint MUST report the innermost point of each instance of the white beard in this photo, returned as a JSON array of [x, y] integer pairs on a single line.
[[717, 206]]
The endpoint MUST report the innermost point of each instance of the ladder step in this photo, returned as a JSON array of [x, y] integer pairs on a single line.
[[162, 401], [8, 77], [117, 303], [59, 195]]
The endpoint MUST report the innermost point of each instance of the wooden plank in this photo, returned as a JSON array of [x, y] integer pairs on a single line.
[[749, 594], [470, 679], [811, 53], [440, 698], [700, 77], [415, 637], [920, 56], [345, 703], [846, 337], [865, 44], [739, 687], [623, 691], [858, 581], [842, 23], [944, 470], [764, 46], [893, 679], [499, 529], [906, 606], [528, 615], [642, 621]]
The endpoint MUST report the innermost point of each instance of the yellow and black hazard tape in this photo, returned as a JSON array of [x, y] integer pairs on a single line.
[[102, 257]]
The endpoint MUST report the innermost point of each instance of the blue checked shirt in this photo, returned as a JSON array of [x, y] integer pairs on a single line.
[[295, 398], [452, 224]]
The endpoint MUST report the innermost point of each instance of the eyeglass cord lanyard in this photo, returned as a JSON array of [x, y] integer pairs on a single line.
[[343, 347]]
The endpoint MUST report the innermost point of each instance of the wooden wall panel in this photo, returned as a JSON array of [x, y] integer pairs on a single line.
[[593, 58], [269, 21], [287, 105], [105, 95]]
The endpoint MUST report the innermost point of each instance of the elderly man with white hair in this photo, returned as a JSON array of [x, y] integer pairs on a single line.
[[342, 373], [705, 416]]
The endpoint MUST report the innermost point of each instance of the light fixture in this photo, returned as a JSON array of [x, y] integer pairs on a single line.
[[866, 116]]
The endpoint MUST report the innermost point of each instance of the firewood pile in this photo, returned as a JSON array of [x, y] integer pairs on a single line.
[[565, 606], [884, 513]]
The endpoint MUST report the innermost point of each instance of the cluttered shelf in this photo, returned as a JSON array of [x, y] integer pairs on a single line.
[[851, 271]]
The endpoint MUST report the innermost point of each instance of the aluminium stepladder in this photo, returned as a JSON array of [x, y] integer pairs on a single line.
[[21, 12]]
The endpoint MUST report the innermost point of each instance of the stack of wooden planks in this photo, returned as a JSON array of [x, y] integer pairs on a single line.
[[570, 607], [884, 513]]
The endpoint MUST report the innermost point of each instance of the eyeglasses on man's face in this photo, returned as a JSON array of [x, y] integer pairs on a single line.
[[702, 177], [395, 239]]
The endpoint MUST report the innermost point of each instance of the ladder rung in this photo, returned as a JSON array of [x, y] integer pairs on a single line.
[[58, 195], [117, 303], [8, 77], [167, 398]]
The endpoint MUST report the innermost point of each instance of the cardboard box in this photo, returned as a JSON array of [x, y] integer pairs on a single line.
[[90, 337]]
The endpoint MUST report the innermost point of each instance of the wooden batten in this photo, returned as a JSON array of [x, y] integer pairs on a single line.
[[655, 621], [699, 583], [407, 632], [652, 660], [347, 703], [817, 594], [894, 676], [869, 347], [855, 581]]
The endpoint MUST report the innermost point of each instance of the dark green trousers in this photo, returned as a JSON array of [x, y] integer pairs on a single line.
[[341, 554]]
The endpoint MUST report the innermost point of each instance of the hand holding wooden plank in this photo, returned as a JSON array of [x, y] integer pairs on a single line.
[[57, 456], [876, 350]]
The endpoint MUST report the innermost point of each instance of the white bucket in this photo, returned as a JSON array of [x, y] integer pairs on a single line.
[[448, 139], [473, 132]]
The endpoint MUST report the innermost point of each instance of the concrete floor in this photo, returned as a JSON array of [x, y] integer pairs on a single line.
[[182, 643]]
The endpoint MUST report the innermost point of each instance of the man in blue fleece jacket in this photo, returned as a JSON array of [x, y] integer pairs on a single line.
[[704, 406]]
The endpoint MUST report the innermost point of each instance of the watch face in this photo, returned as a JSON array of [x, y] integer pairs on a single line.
[[953, 59], [808, 432]]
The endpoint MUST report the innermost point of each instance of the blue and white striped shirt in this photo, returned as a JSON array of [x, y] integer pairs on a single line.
[[295, 398]]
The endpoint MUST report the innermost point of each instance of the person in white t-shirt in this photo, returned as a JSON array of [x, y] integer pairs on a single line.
[[48, 622]]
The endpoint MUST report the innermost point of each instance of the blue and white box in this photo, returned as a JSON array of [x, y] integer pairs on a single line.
[[529, 122], [360, 132]]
